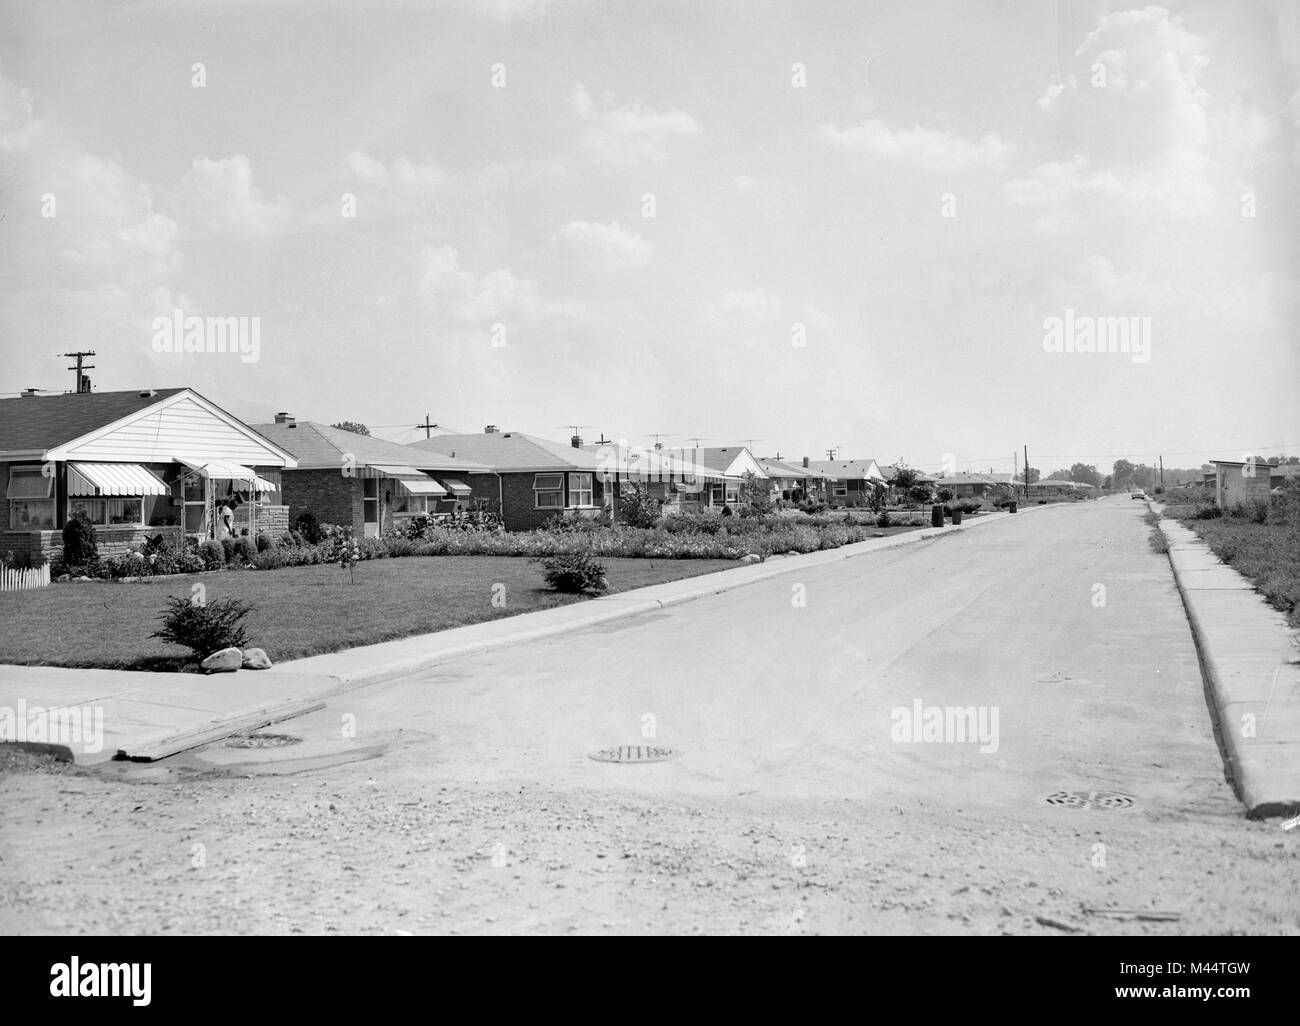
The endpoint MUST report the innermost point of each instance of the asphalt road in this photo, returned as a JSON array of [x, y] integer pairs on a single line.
[[462, 799]]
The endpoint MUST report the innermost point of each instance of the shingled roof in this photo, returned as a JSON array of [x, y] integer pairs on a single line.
[[321, 447], [39, 423], [507, 451]]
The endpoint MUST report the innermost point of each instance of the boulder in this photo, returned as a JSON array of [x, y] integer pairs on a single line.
[[751, 557], [225, 661], [256, 659]]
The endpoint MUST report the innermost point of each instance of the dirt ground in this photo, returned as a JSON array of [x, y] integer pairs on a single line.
[[282, 849]]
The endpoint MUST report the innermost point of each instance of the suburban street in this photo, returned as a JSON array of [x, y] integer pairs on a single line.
[[463, 799]]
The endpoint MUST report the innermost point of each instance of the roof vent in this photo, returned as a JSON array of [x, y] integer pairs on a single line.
[[491, 429], [148, 393]]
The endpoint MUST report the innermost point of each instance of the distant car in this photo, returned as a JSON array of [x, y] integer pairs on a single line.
[[1138, 495]]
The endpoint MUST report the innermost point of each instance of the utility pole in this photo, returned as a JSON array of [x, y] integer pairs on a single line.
[[83, 382], [830, 454], [1162, 471], [1026, 471], [1015, 468], [427, 426]]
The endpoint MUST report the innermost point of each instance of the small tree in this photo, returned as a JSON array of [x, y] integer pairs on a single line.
[[636, 506], [355, 427], [755, 495], [919, 493]]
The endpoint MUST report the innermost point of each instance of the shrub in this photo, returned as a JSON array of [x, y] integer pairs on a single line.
[[205, 628], [883, 520], [812, 507], [1159, 543], [245, 551], [306, 525], [946, 495], [78, 542], [212, 554], [575, 573], [228, 549], [637, 507], [417, 526], [270, 559], [263, 541]]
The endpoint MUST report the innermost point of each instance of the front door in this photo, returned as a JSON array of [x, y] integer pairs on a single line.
[[370, 507]]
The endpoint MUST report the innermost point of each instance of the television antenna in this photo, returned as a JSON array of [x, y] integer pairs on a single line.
[[697, 441]]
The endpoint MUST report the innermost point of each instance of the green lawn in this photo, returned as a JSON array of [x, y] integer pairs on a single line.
[[299, 611]]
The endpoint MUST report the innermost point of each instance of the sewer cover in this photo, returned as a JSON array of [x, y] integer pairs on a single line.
[[262, 741], [634, 753], [1091, 800]]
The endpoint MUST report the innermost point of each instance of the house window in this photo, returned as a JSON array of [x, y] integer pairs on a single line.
[[733, 494], [580, 490], [840, 491], [31, 499], [548, 491]]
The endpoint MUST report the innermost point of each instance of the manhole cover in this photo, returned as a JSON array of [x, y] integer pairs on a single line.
[[634, 753], [1091, 800], [262, 741]]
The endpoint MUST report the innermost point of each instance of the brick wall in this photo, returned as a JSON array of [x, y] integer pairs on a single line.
[[329, 496], [519, 499]]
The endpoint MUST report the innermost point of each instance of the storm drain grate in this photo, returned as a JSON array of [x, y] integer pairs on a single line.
[[634, 753], [257, 740], [1091, 800]]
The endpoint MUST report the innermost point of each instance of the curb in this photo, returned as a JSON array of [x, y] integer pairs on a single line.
[[1251, 671], [218, 730], [613, 607]]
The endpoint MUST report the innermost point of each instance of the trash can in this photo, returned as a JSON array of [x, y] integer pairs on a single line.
[[936, 515], [956, 516], [1012, 506]]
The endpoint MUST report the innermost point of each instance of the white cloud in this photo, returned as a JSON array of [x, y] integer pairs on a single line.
[[933, 150], [622, 133], [219, 196], [499, 295], [745, 308], [603, 246], [816, 317]]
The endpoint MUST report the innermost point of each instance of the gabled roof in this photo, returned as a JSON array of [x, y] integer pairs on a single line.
[[732, 460], [849, 470], [141, 426], [779, 468], [965, 479], [39, 423], [649, 464], [510, 451], [321, 447]]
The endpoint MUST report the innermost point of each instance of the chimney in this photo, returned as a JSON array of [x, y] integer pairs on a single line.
[[147, 393], [805, 461], [284, 418], [576, 441], [491, 429]]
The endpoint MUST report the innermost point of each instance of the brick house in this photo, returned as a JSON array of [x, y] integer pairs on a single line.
[[367, 483], [977, 486], [676, 478], [851, 481], [794, 482], [528, 479], [135, 464], [731, 463]]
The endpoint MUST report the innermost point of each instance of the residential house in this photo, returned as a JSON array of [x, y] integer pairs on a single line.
[[796, 482], [1280, 474], [367, 483], [1237, 481], [135, 464], [732, 463], [976, 486], [851, 481], [527, 479], [675, 477]]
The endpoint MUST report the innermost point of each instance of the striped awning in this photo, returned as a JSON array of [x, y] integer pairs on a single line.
[[420, 485], [456, 487], [113, 479], [224, 470]]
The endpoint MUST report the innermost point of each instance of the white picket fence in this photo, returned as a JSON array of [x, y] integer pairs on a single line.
[[23, 580]]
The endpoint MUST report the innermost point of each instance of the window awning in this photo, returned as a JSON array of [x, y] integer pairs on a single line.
[[420, 486], [224, 470], [456, 487], [113, 479]]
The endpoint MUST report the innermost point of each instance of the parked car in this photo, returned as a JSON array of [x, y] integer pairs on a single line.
[[1138, 495]]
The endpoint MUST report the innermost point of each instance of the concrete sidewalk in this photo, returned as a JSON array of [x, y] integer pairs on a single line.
[[1251, 664], [149, 716]]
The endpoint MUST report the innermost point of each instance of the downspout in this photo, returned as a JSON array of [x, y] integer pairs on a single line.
[[501, 501]]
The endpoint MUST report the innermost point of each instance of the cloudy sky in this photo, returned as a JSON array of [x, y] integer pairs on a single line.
[[816, 225]]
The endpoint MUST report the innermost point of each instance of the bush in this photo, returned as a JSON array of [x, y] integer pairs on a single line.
[[212, 554], [307, 526], [270, 559], [245, 551], [574, 573], [206, 628], [946, 495], [228, 549], [264, 541], [79, 542], [883, 520], [637, 507]]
